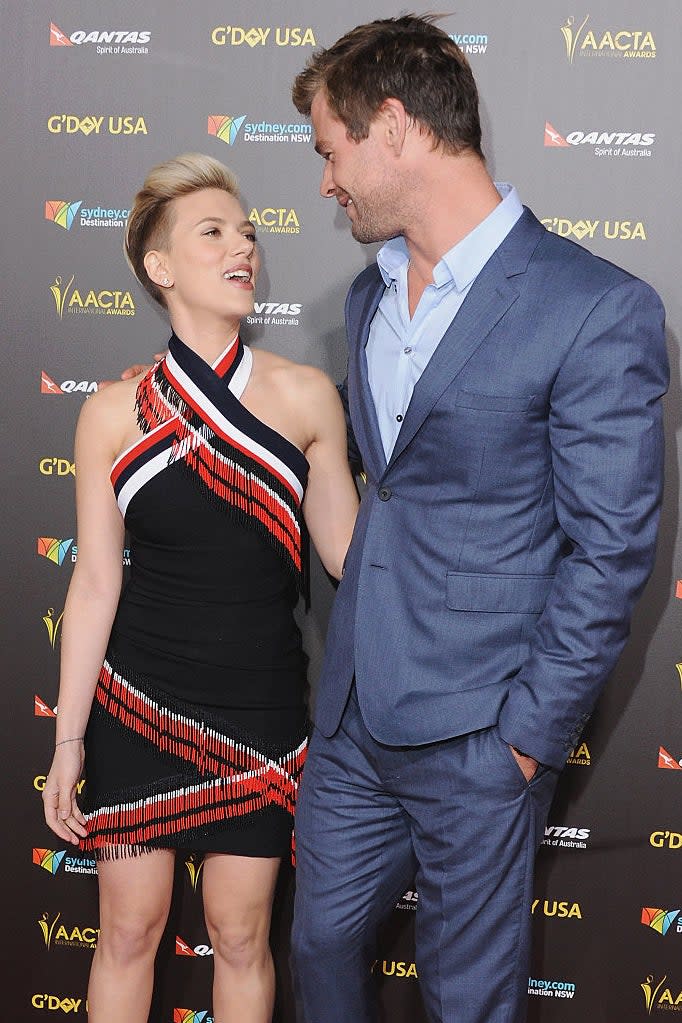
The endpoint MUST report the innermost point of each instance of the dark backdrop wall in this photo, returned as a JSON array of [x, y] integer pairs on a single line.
[[580, 108]]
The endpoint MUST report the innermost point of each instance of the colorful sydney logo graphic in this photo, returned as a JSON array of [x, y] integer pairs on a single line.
[[52, 625], [54, 549], [194, 865], [660, 920], [191, 1016], [48, 859], [62, 212], [41, 709], [47, 927], [224, 127]]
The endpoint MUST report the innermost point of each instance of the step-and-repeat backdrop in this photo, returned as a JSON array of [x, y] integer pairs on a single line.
[[580, 107]]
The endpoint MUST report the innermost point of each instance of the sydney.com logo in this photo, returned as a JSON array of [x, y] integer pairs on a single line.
[[227, 128], [66, 212]]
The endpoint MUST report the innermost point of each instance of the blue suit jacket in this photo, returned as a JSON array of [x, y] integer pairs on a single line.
[[497, 556]]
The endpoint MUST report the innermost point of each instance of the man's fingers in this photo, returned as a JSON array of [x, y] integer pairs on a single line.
[[132, 371], [140, 367]]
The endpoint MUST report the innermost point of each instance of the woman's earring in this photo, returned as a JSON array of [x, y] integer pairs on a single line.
[[165, 282]]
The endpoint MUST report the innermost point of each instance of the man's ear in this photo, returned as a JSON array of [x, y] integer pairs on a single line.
[[395, 122], [157, 270]]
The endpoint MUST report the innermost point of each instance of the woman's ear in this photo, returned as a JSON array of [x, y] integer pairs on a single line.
[[157, 270]]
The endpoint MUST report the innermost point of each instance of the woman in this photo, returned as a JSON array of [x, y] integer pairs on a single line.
[[184, 695]]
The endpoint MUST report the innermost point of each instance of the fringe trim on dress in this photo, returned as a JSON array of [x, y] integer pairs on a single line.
[[227, 778]]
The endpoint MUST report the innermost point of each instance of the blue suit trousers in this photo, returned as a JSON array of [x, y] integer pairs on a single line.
[[461, 815]]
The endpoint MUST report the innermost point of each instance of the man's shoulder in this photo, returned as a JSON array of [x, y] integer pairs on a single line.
[[570, 257], [368, 279]]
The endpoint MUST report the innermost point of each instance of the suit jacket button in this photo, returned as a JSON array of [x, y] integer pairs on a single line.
[[384, 493]]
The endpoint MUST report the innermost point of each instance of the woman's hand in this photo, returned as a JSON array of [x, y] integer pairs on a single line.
[[59, 795]]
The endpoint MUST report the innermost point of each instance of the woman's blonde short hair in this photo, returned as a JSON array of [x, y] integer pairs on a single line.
[[150, 220]]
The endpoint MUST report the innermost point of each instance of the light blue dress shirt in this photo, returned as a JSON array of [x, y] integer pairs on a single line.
[[399, 348]]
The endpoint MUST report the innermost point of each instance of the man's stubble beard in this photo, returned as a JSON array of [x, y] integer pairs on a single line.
[[376, 217]]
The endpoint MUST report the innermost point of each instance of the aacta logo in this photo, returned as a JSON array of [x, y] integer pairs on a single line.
[[113, 124], [53, 549], [192, 1016], [53, 625], [619, 43], [565, 910], [665, 760], [48, 385], [232, 35], [60, 936], [278, 220], [48, 859], [41, 709], [183, 949], [611, 230], [225, 127], [194, 865], [94, 303], [658, 997], [56, 1002], [661, 920]]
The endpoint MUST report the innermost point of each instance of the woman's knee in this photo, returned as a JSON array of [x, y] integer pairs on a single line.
[[240, 946], [131, 938]]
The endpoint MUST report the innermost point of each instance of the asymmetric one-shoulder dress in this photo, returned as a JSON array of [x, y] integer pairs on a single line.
[[197, 733]]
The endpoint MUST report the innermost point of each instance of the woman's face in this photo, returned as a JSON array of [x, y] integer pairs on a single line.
[[212, 260]]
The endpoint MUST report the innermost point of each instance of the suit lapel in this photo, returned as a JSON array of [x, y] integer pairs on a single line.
[[491, 295]]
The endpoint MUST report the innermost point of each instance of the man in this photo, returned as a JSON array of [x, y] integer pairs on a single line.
[[503, 396]]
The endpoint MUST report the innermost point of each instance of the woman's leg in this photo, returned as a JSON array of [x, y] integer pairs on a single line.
[[238, 893], [134, 898]]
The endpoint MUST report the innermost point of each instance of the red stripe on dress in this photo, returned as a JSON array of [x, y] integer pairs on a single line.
[[203, 415], [139, 448]]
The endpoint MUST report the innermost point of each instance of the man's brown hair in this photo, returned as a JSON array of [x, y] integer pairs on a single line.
[[408, 59]]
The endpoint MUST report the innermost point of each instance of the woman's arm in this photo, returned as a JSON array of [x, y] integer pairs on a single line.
[[331, 501], [90, 605]]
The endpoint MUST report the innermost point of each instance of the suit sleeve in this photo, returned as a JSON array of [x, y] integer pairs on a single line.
[[605, 433], [354, 456]]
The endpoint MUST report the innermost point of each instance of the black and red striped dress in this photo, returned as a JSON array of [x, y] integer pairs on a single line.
[[197, 734]]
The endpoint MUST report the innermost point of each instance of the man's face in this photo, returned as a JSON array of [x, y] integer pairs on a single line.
[[359, 175]]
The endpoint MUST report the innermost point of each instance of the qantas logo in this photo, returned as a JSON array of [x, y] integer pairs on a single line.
[[41, 709], [49, 386], [602, 143], [665, 760]]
